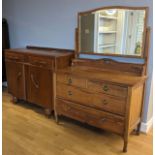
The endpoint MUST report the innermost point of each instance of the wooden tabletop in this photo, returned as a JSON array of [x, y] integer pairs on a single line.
[[43, 52]]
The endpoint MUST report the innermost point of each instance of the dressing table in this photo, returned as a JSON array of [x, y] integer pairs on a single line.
[[106, 93]]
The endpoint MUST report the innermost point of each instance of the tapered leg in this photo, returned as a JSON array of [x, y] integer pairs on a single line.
[[138, 129], [125, 146], [126, 137], [48, 112]]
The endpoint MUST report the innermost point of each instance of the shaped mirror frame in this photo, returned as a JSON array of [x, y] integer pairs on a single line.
[[110, 10]]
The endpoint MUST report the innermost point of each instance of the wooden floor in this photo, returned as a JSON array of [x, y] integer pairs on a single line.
[[26, 131]]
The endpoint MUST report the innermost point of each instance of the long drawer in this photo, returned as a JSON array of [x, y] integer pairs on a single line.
[[107, 88], [42, 61], [71, 80], [97, 100], [16, 57], [91, 116]]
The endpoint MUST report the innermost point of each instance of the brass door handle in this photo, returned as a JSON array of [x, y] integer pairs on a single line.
[[39, 63], [34, 82], [105, 88], [19, 75], [43, 62]]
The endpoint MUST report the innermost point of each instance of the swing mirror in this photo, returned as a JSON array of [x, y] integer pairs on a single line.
[[118, 31]]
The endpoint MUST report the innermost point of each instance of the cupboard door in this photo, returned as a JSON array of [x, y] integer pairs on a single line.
[[40, 86], [15, 79]]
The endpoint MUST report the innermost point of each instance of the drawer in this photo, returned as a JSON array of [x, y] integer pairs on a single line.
[[11, 56], [41, 61], [109, 103], [96, 100], [97, 118], [71, 80], [107, 88]]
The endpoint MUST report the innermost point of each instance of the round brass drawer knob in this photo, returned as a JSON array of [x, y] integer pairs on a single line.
[[105, 102], [105, 88]]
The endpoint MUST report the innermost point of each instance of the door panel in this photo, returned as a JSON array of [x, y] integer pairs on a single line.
[[15, 79], [40, 86]]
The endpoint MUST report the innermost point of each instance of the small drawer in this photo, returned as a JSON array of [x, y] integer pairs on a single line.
[[71, 80], [107, 88], [73, 93], [42, 61], [16, 57], [96, 100], [97, 118]]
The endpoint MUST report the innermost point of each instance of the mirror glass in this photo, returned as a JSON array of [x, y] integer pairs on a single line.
[[112, 31]]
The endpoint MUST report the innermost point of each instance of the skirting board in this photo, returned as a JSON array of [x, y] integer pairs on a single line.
[[145, 127]]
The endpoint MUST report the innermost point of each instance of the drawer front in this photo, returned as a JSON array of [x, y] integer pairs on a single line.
[[98, 101], [71, 80], [107, 88], [10, 56], [91, 116], [109, 103], [72, 93], [42, 61]]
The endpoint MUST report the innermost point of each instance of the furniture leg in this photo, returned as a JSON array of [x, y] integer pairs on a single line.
[[56, 117], [14, 100], [125, 146], [126, 137], [48, 112], [138, 128]]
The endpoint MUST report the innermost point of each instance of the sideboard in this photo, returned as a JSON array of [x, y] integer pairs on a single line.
[[30, 73]]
